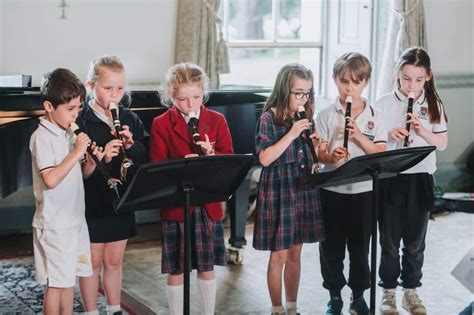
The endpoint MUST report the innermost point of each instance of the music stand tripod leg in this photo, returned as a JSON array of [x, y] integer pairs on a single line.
[[373, 251], [187, 189]]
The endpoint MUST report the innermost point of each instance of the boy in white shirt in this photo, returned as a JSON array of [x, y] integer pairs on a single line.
[[347, 208], [60, 234]]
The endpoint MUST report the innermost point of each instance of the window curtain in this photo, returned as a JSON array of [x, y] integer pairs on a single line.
[[407, 28], [199, 38]]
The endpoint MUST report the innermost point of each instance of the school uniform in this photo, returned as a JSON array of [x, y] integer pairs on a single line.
[[288, 210], [171, 139], [407, 198], [347, 209], [60, 238], [105, 225]]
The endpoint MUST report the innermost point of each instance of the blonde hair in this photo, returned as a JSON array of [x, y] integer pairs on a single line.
[[183, 74], [357, 64], [96, 67]]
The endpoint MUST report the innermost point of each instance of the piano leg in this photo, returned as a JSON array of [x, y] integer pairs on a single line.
[[237, 207]]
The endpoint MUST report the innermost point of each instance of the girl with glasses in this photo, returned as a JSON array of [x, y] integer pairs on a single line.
[[288, 210]]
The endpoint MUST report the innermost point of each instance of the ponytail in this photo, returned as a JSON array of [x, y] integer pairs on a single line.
[[435, 105], [418, 57]]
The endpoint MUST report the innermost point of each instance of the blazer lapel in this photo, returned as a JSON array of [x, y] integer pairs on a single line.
[[203, 125], [179, 125]]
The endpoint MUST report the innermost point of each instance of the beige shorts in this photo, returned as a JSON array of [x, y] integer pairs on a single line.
[[61, 255]]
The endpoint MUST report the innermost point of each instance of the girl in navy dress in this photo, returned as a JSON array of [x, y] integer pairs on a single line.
[[288, 210], [108, 231]]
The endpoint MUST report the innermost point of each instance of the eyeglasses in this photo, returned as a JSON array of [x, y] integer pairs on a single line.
[[301, 95]]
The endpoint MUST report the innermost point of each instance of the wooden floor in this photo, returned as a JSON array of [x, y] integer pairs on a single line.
[[243, 290]]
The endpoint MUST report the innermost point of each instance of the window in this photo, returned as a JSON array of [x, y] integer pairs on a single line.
[[264, 35]]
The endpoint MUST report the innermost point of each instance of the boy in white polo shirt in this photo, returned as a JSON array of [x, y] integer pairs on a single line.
[[60, 234], [347, 208]]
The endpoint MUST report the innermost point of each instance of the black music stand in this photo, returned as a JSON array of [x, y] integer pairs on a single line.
[[185, 183], [372, 167]]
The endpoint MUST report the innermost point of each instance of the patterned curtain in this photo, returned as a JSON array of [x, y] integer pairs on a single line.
[[407, 28], [199, 38]]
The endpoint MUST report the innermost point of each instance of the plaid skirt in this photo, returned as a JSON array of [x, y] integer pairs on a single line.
[[287, 213], [207, 244]]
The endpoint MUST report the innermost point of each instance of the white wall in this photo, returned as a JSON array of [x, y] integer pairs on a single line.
[[140, 32], [450, 35], [451, 45]]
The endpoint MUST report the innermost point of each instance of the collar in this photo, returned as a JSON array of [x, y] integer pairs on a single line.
[[101, 116], [57, 131], [186, 117], [341, 109], [180, 126], [402, 98]]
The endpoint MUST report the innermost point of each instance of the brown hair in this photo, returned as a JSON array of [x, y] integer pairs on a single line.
[[60, 86], [357, 64], [183, 74], [418, 57], [280, 95]]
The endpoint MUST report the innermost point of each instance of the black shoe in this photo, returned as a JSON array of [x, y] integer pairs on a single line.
[[359, 307], [334, 306]]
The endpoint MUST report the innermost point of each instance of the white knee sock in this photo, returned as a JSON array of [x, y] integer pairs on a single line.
[[175, 299], [111, 309], [278, 310], [96, 312], [290, 308], [207, 291]]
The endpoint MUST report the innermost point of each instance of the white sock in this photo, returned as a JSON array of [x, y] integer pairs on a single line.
[[174, 294], [96, 312], [290, 308], [207, 291], [278, 309], [111, 309]]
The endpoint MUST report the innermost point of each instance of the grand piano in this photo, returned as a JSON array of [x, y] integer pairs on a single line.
[[20, 109]]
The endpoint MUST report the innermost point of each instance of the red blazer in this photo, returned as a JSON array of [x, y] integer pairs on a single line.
[[171, 139]]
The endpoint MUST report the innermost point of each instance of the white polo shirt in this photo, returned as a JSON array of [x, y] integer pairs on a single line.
[[330, 125], [62, 207], [394, 110]]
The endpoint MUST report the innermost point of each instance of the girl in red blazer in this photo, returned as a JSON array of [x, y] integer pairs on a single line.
[[171, 138]]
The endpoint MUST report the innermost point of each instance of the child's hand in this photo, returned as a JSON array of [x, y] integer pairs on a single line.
[[82, 142], [416, 124], [338, 154], [354, 131], [127, 137], [111, 149], [398, 134], [298, 127], [206, 146], [97, 151], [191, 155], [315, 138]]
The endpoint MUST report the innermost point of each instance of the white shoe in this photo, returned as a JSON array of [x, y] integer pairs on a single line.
[[389, 303], [412, 302]]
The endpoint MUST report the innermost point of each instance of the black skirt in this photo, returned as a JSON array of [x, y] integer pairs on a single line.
[[112, 228]]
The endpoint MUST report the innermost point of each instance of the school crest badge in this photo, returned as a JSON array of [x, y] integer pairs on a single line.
[[369, 130], [423, 113]]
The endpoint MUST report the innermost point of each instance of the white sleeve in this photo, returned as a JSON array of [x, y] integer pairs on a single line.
[[441, 126], [42, 152], [380, 129], [322, 126]]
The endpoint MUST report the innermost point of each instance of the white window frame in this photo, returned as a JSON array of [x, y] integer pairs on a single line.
[[282, 43]]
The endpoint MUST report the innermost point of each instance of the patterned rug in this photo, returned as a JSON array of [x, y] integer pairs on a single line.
[[21, 294]]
